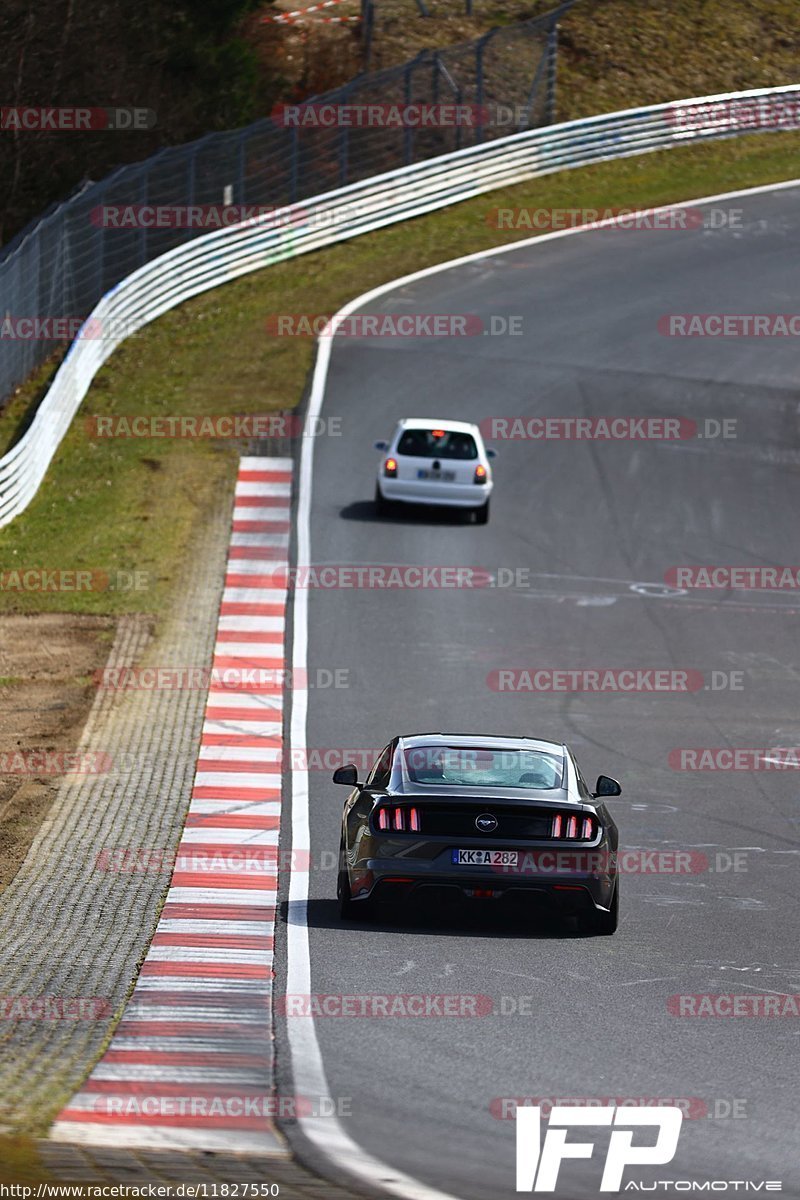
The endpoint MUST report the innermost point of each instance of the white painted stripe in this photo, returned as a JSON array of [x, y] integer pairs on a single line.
[[245, 595], [252, 624], [257, 462], [168, 1073], [271, 651], [226, 697], [273, 569], [245, 728], [258, 989], [233, 836], [221, 1014], [210, 806], [238, 896], [166, 1137], [260, 539], [214, 954], [256, 754], [257, 783], [260, 513], [196, 925], [246, 487], [188, 1045]]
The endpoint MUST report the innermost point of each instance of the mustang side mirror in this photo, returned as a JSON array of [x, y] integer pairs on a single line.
[[348, 775], [381, 445], [606, 786]]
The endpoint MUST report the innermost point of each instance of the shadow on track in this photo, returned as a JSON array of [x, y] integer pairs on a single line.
[[407, 514], [458, 920]]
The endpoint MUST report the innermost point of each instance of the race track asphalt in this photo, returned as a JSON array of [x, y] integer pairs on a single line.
[[590, 522]]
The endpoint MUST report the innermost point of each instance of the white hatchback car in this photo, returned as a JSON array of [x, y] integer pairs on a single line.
[[443, 463]]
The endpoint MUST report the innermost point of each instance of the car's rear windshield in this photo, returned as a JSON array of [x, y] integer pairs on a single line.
[[437, 443], [458, 766]]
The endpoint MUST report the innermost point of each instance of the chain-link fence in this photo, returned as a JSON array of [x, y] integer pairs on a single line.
[[55, 271]]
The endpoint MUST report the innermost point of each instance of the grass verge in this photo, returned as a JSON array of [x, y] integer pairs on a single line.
[[135, 505]]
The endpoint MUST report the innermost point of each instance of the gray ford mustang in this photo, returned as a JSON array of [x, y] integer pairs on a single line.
[[482, 818]]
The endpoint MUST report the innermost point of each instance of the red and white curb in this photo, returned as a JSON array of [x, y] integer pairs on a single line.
[[190, 1064]]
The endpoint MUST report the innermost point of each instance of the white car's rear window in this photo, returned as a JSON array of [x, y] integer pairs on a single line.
[[437, 443]]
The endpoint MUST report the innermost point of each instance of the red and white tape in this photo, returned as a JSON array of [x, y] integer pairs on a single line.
[[292, 18]]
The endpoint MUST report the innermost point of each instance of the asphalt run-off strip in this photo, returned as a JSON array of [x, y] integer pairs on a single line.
[[190, 1064]]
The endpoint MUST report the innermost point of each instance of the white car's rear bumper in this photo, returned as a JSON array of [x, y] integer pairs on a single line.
[[446, 495]]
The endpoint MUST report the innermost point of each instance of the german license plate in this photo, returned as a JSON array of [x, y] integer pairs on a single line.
[[441, 476], [484, 858]]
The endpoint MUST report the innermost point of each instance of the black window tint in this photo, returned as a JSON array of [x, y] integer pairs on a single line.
[[379, 775], [420, 443]]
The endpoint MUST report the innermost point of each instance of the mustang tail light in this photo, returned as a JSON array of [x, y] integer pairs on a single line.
[[398, 819], [480, 474], [390, 467], [569, 826]]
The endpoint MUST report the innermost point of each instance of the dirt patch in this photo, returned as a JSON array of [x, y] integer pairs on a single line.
[[46, 691]]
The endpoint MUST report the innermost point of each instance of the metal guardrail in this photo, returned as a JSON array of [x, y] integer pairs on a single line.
[[218, 257], [61, 264]]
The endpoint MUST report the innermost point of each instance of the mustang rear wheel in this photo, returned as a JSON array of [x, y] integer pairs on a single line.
[[602, 923], [349, 909]]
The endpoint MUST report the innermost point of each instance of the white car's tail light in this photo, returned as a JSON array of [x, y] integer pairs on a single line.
[[480, 475], [390, 468]]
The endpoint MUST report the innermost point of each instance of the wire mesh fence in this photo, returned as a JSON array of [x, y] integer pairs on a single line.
[[55, 271]]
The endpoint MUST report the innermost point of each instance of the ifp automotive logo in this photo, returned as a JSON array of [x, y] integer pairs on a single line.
[[538, 1163]]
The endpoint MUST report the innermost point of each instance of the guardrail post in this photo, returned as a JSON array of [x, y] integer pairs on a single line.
[[344, 142], [293, 163], [367, 26], [408, 132], [240, 197], [552, 65], [479, 51]]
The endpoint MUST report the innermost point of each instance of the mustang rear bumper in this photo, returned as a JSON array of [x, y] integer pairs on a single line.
[[567, 890]]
